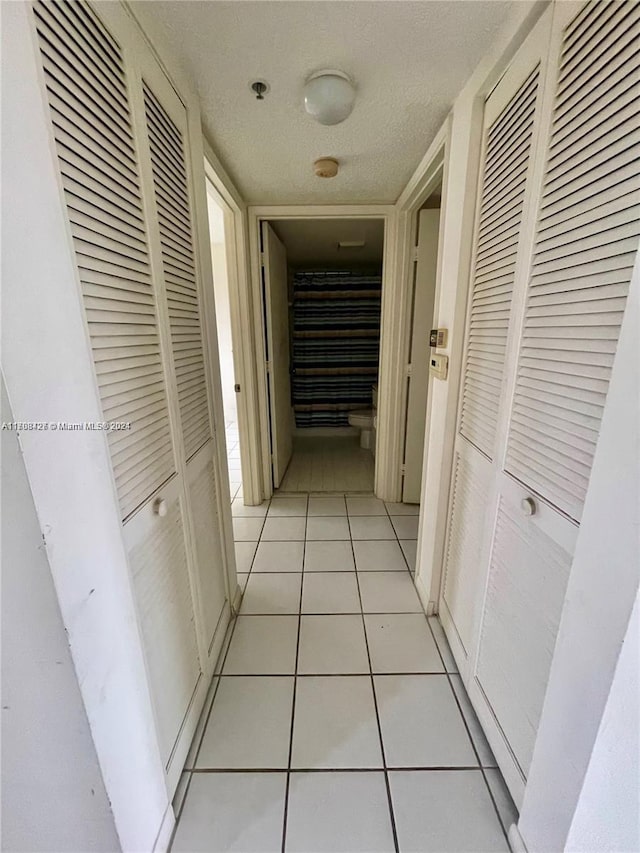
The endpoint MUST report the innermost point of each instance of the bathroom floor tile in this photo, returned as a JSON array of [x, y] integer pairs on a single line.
[[371, 527], [327, 506], [388, 592], [379, 556], [402, 509], [334, 556], [409, 549], [283, 529], [335, 723], [401, 643], [330, 592], [232, 813], [247, 529], [332, 645], [272, 593], [263, 645], [250, 724], [327, 528], [239, 510], [244, 556], [421, 724], [437, 811], [288, 506], [406, 526], [365, 506], [278, 557], [338, 813]]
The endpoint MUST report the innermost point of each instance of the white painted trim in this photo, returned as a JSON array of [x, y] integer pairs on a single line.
[[163, 841], [386, 212], [516, 841], [237, 601], [241, 312]]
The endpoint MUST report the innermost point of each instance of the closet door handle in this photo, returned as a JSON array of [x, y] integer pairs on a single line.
[[160, 507], [528, 506]]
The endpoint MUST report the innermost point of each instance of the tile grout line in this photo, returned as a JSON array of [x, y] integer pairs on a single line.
[[285, 815], [215, 675], [193, 770], [377, 713], [468, 730], [413, 769], [404, 556]]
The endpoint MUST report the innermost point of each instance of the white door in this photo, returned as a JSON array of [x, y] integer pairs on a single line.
[[170, 174], [122, 149], [423, 299], [549, 292], [276, 301], [511, 112], [587, 235]]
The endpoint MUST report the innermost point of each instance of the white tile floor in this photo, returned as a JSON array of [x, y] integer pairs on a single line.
[[338, 721], [328, 464], [233, 458]]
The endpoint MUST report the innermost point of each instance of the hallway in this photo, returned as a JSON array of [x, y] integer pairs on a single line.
[[337, 721]]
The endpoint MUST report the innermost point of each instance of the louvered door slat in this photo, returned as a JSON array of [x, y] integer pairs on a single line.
[[172, 201], [87, 94], [502, 197], [584, 252]]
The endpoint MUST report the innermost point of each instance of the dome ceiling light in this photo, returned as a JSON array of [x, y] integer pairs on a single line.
[[329, 96], [326, 167]]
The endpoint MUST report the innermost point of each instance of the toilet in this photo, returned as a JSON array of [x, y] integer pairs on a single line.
[[365, 421]]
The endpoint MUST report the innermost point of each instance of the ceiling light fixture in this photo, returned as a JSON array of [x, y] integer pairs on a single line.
[[329, 96], [326, 167]]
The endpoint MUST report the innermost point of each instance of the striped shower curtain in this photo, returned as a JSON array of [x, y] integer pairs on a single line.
[[336, 343]]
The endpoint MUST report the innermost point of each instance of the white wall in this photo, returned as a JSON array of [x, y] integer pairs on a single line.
[[607, 819], [602, 588], [53, 796], [223, 310]]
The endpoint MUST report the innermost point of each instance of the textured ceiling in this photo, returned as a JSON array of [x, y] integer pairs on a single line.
[[408, 60], [314, 242]]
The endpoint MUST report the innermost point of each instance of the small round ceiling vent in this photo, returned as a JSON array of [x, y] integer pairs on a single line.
[[326, 167]]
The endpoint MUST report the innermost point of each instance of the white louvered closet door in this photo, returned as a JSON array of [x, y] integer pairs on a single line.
[[167, 135], [124, 174], [510, 121], [584, 246]]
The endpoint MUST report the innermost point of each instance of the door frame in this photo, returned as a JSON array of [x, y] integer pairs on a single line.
[[241, 311], [433, 170], [388, 344]]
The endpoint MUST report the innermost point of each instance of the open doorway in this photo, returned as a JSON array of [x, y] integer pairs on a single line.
[[427, 225], [221, 288], [322, 289]]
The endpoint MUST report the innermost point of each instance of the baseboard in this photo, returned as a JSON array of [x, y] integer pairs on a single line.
[[423, 595], [516, 841], [237, 599], [163, 838]]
